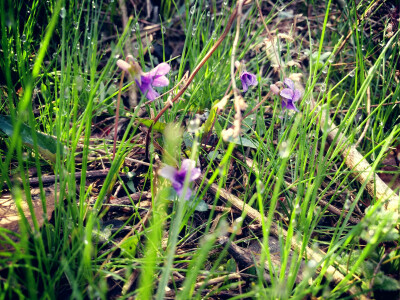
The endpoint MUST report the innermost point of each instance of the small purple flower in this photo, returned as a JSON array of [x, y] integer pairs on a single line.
[[247, 79], [146, 81], [177, 177], [290, 95], [154, 78]]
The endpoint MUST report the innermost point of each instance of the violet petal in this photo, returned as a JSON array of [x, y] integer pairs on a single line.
[[168, 172], [290, 105], [284, 104], [160, 81], [151, 94], [244, 86], [287, 93], [144, 85], [196, 172], [297, 95], [188, 164], [160, 70], [289, 83], [188, 193], [248, 79]]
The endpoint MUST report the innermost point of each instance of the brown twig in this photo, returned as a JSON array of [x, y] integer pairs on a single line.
[[331, 208], [50, 179], [200, 65], [212, 281], [136, 161], [238, 99], [128, 50], [257, 106], [363, 170], [191, 77], [270, 37]]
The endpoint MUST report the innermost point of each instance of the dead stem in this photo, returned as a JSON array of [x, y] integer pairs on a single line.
[[270, 37], [258, 105], [291, 186], [363, 170], [200, 65], [128, 50], [239, 102], [195, 71]]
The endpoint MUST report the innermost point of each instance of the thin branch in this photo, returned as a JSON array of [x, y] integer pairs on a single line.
[[258, 105], [200, 65], [238, 99], [50, 179], [270, 37], [128, 50]]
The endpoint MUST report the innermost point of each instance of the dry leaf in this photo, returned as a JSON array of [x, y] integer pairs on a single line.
[[9, 216], [292, 63], [270, 50], [286, 37]]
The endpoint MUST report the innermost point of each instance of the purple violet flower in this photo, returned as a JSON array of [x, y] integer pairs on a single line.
[[154, 78], [290, 95], [177, 177], [247, 79], [146, 81]]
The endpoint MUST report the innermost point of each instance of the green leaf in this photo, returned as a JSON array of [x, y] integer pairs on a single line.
[[187, 139], [202, 206], [130, 183], [245, 142], [216, 153], [248, 123], [157, 127], [231, 265], [368, 268], [386, 283], [131, 186], [322, 57], [102, 234], [102, 92], [210, 121], [47, 145], [128, 247]]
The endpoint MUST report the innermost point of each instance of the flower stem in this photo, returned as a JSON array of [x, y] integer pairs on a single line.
[[117, 113]]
